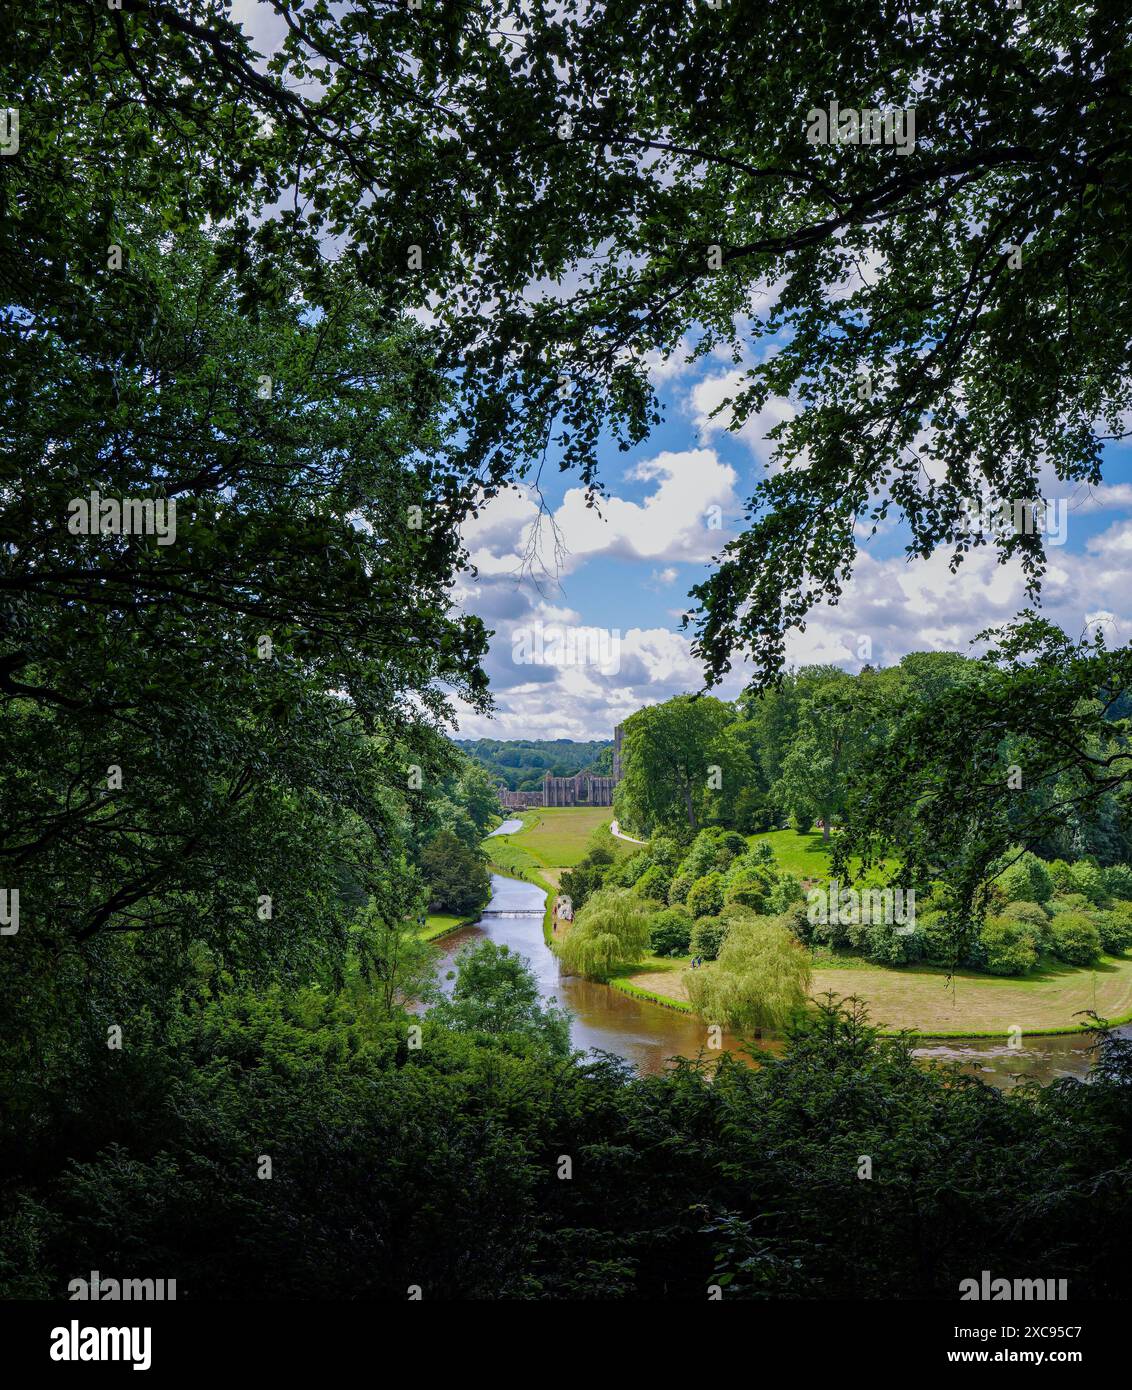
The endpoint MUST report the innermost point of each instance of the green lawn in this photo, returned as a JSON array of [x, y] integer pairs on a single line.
[[557, 837], [805, 855], [438, 923], [968, 1004]]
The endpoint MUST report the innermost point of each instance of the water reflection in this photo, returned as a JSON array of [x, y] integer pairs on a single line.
[[648, 1035]]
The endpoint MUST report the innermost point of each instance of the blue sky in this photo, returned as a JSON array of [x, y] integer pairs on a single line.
[[629, 574], [626, 577]]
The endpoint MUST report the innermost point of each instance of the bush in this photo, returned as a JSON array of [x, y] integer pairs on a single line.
[[457, 877], [1068, 902], [664, 850], [1035, 917], [1025, 880], [1114, 927], [784, 893], [1009, 946], [705, 897], [678, 892], [654, 883], [883, 943], [1088, 878], [1075, 939], [670, 932], [748, 887], [708, 936], [630, 870], [705, 853], [1118, 881], [936, 937], [1062, 875], [586, 877]]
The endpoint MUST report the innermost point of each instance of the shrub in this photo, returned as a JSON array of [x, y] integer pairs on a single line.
[[664, 850], [627, 873], [1118, 881], [678, 892], [1068, 902], [1026, 880], [784, 893], [1088, 879], [1075, 939], [654, 883], [670, 932], [883, 943], [703, 856], [708, 935], [732, 846], [705, 897], [1114, 927], [1062, 875], [1034, 916], [748, 887], [585, 878], [936, 937], [1009, 946]]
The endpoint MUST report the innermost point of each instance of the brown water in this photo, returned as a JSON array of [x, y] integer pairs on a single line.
[[648, 1035]]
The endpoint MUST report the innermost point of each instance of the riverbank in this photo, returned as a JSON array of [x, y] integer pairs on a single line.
[[549, 840], [439, 924], [924, 1000]]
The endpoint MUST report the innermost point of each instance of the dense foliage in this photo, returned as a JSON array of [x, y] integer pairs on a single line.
[[441, 1166]]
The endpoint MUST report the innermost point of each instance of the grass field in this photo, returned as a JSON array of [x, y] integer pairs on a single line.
[[922, 998], [557, 837], [805, 855], [438, 923]]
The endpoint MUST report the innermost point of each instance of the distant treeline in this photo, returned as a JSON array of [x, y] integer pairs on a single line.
[[522, 763]]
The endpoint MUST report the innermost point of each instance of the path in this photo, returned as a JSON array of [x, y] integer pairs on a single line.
[[615, 829]]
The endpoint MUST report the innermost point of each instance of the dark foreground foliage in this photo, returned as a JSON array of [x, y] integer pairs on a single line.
[[440, 1167]]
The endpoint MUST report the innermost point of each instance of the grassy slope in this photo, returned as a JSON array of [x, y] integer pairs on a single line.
[[806, 855]]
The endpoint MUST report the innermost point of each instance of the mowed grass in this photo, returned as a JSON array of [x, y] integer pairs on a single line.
[[438, 923], [923, 999], [807, 855], [557, 837]]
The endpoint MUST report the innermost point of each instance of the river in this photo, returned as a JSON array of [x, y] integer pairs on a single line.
[[648, 1035]]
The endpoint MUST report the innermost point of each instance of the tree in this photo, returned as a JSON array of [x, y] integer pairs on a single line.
[[668, 754], [611, 930], [496, 992], [389, 961], [836, 717], [761, 979], [457, 877]]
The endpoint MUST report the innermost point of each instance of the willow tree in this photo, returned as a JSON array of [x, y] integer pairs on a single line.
[[761, 979], [611, 930]]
